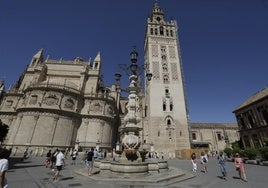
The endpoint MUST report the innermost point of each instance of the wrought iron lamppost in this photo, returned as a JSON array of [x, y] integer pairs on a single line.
[[131, 130]]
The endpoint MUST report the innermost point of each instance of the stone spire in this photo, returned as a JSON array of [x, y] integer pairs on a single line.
[[97, 61], [37, 58]]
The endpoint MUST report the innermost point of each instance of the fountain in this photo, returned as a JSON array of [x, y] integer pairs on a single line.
[[130, 168]]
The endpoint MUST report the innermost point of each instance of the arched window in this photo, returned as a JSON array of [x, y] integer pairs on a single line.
[[171, 106], [155, 31], [166, 79], [161, 30], [167, 32], [168, 122], [152, 31], [171, 33], [165, 67], [164, 106]]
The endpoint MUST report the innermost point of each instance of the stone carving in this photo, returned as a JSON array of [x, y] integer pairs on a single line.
[[95, 106], [33, 99], [9, 103], [69, 103], [51, 100], [174, 71], [156, 70], [110, 110], [155, 50]]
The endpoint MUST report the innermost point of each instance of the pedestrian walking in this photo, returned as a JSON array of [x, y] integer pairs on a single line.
[[222, 162], [90, 161], [240, 167], [194, 162], [59, 164], [53, 159], [47, 159], [4, 153], [74, 155], [204, 162]]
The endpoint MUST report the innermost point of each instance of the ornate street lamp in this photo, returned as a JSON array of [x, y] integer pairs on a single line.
[[131, 141]]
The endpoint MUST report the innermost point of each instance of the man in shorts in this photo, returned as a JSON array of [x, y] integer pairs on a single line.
[[59, 164], [90, 160]]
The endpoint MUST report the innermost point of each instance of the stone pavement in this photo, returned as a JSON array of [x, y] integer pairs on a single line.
[[31, 173]]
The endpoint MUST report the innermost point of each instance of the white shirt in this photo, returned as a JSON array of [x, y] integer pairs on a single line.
[[60, 159], [3, 168]]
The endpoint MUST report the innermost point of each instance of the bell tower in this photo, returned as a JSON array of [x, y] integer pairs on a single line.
[[167, 129]]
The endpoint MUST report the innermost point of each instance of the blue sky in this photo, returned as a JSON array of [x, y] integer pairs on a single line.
[[224, 43]]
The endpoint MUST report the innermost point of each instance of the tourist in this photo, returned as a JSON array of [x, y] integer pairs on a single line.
[[96, 154], [74, 155], [240, 167], [59, 164], [47, 160], [204, 162], [222, 162], [4, 153], [53, 159], [90, 160], [194, 162]]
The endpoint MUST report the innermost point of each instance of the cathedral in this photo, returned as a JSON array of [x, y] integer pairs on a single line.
[[60, 103]]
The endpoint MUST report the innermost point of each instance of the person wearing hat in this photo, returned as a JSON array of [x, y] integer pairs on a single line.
[[240, 167]]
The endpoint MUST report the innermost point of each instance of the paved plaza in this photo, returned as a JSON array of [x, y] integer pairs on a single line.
[[31, 173]]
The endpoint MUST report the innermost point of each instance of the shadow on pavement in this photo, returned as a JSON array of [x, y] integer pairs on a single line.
[[18, 162]]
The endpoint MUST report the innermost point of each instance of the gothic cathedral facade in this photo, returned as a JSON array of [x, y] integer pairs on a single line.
[[59, 103]]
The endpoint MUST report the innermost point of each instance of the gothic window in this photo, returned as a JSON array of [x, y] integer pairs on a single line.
[[163, 49], [167, 32], [166, 79], [155, 31], [168, 123], [165, 67], [164, 58], [167, 93], [161, 30], [219, 136], [152, 31], [171, 33], [164, 106], [171, 106], [194, 136], [158, 133], [96, 65]]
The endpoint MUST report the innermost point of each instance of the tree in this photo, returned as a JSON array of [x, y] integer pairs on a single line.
[[3, 131]]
